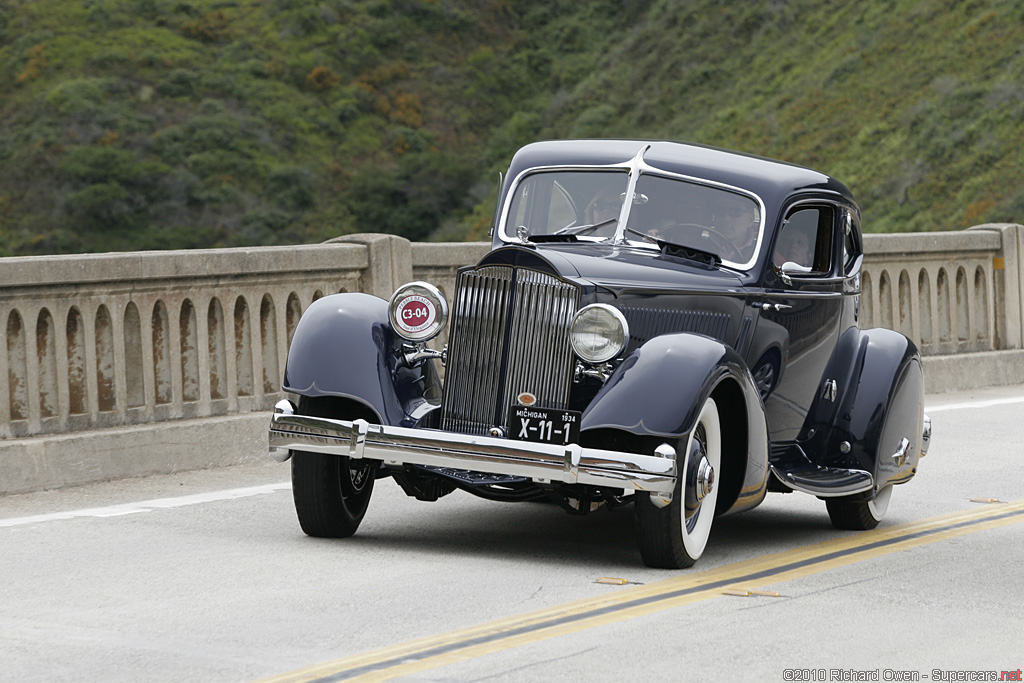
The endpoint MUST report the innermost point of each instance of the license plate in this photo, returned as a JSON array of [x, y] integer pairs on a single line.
[[544, 425]]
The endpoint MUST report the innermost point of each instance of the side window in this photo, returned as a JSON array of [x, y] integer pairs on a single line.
[[806, 240], [518, 215]]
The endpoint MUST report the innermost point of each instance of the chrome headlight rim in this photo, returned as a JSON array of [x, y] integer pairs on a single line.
[[418, 311], [614, 347]]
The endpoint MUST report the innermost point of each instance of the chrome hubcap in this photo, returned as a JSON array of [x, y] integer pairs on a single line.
[[705, 479]]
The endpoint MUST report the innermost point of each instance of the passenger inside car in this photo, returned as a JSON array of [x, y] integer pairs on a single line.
[[793, 247], [605, 206]]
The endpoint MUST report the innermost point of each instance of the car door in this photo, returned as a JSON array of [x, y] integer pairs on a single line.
[[801, 310]]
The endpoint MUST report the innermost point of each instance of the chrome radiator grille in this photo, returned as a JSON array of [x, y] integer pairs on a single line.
[[509, 334]]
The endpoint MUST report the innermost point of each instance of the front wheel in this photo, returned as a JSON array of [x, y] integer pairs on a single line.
[[674, 536], [859, 515], [331, 492]]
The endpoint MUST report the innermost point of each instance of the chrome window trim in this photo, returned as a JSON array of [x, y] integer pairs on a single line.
[[835, 267], [507, 207], [635, 167]]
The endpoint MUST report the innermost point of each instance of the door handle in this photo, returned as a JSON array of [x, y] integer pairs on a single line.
[[765, 306]]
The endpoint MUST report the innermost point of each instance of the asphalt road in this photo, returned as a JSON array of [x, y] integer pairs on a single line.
[[205, 576]]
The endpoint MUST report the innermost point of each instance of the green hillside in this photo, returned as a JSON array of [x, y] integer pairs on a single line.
[[147, 124]]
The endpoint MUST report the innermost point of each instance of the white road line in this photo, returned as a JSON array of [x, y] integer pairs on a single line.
[[148, 505], [974, 404]]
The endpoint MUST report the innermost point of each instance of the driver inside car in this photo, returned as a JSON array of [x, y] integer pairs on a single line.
[[737, 219], [665, 220]]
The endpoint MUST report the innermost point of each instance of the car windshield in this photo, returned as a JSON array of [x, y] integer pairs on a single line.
[[592, 205], [568, 202]]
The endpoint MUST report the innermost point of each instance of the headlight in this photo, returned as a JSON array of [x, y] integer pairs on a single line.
[[418, 311], [599, 333]]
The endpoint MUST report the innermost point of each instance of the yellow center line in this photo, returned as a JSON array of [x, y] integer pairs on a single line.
[[503, 634]]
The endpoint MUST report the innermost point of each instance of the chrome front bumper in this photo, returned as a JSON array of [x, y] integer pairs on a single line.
[[543, 463]]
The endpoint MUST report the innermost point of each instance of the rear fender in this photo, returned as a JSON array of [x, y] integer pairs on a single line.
[[658, 391], [879, 403], [344, 346]]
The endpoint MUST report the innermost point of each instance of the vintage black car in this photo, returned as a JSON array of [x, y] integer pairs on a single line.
[[660, 324]]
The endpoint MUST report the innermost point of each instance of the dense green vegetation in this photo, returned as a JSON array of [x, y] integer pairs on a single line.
[[142, 124]]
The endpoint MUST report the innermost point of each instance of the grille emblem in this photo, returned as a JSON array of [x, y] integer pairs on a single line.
[[526, 399]]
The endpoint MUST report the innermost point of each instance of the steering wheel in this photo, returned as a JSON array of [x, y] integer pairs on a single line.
[[723, 244]]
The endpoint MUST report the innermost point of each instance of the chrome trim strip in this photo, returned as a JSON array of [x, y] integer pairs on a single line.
[[543, 463]]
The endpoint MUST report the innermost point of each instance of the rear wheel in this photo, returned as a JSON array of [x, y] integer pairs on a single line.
[[859, 515], [674, 536], [331, 492]]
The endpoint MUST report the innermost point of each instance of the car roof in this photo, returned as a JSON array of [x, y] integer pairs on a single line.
[[770, 179]]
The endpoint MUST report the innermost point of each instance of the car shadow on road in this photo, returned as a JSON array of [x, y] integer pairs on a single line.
[[544, 533]]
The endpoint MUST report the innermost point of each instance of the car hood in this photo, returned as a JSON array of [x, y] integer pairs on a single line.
[[618, 269]]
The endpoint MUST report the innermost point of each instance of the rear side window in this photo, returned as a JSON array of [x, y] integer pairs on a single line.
[[806, 240]]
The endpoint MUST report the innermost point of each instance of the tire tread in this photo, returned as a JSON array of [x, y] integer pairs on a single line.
[[850, 515], [320, 504]]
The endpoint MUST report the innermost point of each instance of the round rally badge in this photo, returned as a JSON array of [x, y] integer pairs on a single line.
[[415, 313]]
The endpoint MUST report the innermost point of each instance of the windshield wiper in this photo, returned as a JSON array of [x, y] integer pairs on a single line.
[[544, 239], [647, 237], [583, 229]]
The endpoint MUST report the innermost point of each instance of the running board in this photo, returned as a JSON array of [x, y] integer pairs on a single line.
[[825, 482], [795, 471]]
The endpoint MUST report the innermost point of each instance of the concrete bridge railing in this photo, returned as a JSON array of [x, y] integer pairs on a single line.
[[120, 341], [951, 292], [104, 340]]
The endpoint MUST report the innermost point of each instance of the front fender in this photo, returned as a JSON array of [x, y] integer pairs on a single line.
[[880, 402], [344, 346], [659, 389]]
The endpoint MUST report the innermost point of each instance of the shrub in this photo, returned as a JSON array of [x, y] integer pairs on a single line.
[[291, 187], [179, 83], [594, 122], [99, 164], [102, 207], [77, 96], [219, 162], [212, 27], [35, 65], [321, 78], [262, 224]]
